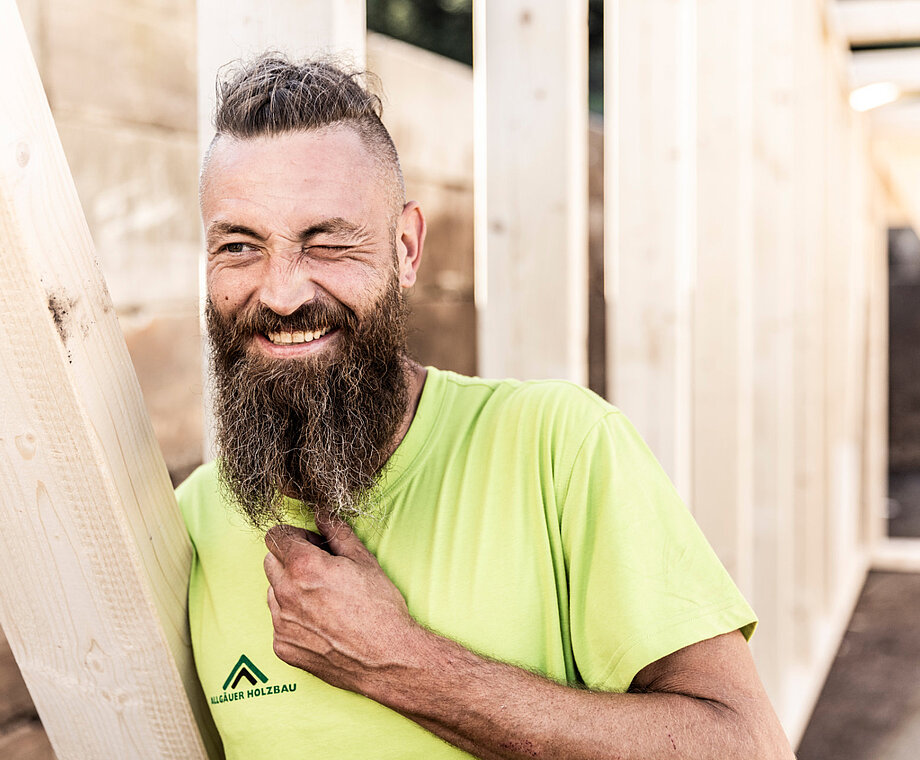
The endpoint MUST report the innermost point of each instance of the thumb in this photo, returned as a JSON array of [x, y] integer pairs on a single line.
[[282, 539], [340, 538]]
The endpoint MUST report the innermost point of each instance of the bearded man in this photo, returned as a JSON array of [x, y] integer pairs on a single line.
[[455, 566]]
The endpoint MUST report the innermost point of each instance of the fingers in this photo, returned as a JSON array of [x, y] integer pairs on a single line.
[[273, 605], [341, 539], [286, 541], [282, 540], [274, 569]]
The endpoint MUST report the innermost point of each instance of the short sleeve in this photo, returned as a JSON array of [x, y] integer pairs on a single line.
[[643, 580]]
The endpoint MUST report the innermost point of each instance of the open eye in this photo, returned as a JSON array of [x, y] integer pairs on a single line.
[[236, 248]]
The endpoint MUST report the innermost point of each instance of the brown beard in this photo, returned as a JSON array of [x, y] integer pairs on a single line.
[[317, 429]]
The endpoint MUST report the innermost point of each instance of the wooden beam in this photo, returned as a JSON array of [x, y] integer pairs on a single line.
[[897, 555], [901, 119], [899, 157], [812, 61], [875, 450], [94, 557], [531, 125], [650, 238], [867, 22], [722, 442], [773, 306], [900, 67]]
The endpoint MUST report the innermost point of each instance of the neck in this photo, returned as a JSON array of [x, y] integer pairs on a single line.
[[416, 375]]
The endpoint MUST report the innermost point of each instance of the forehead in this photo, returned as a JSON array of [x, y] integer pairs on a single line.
[[327, 172]]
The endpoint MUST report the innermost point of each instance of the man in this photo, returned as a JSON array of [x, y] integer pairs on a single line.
[[457, 566]]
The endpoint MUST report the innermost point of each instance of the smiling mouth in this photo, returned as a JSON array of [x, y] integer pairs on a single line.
[[296, 338]]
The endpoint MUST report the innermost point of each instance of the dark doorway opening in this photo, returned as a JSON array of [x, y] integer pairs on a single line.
[[904, 384]]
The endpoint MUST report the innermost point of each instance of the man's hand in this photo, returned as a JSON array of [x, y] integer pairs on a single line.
[[338, 616], [335, 612]]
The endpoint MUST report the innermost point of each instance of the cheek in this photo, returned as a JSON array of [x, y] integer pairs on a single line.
[[227, 289]]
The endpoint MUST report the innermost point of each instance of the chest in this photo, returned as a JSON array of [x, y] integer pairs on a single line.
[[480, 563]]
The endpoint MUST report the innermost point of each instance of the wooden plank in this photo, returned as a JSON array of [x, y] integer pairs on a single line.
[[650, 246], [840, 455], [875, 461], [899, 66], [434, 150], [136, 61], [899, 157], [773, 344], [862, 251], [721, 384], [864, 22], [93, 554], [810, 251], [897, 555], [530, 96]]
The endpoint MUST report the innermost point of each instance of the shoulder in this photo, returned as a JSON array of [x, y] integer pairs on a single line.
[[559, 402]]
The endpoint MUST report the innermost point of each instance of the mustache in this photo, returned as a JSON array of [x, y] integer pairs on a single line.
[[311, 316]]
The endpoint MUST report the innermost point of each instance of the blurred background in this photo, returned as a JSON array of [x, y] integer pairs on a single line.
[[706, 211]]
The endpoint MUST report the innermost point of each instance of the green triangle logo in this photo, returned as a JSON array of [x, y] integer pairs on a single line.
[[244, 669]]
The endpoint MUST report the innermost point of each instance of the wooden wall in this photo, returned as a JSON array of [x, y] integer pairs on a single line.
[[747, 303], [746, 276]]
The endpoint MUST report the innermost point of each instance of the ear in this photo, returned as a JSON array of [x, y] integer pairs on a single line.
[[410, 241]]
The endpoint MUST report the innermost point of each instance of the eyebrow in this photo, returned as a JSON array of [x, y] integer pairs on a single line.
[[219, 229], [333, 226]]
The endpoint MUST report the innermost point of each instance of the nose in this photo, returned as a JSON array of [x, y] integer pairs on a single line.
[[287, 286]]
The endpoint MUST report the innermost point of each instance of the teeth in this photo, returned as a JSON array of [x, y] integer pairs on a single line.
[[288, 338]]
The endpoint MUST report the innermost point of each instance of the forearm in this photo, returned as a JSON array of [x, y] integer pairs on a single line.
[[493, 710], [337, 616]]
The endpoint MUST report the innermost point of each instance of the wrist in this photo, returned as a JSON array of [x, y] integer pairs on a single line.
[[420, 662]]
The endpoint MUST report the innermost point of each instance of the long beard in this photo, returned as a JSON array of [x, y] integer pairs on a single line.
[[317, 429]]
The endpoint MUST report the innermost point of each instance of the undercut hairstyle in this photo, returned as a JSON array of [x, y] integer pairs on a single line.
[[272, 95]]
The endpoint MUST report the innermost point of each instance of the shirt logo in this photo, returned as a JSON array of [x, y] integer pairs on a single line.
[[244, 675]]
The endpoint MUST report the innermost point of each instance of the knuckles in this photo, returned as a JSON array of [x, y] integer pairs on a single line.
[[302, 565]]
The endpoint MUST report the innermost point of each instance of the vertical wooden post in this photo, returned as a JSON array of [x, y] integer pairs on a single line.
[[774, 342], [840, 493], [721, 493], [93, 554], [875, 461], [531, 101], [650, 192], [810, 369], [229, 30]]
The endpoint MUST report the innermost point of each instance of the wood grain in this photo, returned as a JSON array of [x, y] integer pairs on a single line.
[[531, 126], [745, 263], [93, 554]]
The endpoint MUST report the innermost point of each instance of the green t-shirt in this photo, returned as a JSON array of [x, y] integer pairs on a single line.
[[527, 521]]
